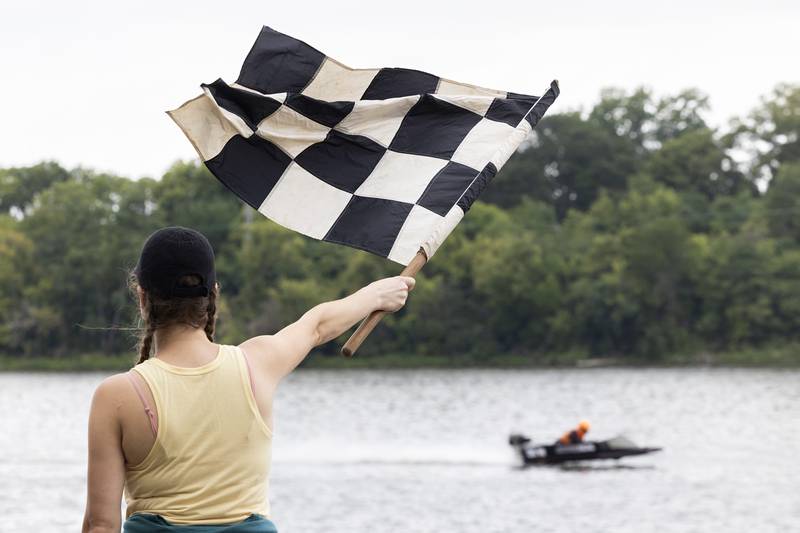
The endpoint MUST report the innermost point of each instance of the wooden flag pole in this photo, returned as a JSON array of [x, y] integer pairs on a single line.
[[369, 323]]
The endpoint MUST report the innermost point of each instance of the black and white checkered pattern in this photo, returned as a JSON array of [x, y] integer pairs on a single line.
[[385, 160]]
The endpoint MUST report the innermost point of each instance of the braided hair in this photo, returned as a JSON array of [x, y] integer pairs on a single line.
[[158, 312]]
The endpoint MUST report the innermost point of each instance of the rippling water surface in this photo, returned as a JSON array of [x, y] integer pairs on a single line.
[[425, 451]]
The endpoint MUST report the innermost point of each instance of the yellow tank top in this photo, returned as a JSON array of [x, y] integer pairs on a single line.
[[210, 461]]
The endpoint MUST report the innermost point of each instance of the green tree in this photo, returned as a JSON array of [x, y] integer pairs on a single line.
[[87, 233], [19, 186], [189, 195], [734, 287], [648, 122], [628, 116], [568, 161], [782, 203], [772, 131], [678, 114], [16, 273], [630, 285], [697, 162]]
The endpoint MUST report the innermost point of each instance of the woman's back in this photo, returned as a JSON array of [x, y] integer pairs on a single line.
[[211, 442], [200, 456]]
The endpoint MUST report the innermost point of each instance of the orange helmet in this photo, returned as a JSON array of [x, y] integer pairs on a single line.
[[584, 426]]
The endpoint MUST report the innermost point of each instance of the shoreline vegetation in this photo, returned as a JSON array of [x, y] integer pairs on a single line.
[[787, 356], [631, 233]]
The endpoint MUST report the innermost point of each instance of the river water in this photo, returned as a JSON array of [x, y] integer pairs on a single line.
[[425, 451]]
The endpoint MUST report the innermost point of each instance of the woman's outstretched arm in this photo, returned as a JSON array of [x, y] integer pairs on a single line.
[[279, 354]]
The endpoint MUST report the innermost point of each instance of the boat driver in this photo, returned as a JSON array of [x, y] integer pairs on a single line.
[[575, 436]]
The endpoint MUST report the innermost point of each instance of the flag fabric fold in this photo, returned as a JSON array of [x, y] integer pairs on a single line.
[[385, 160]]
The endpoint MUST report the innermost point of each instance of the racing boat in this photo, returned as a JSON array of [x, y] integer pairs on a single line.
[[549, 454]]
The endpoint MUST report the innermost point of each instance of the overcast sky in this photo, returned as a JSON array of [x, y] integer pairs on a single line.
[[87, 82]]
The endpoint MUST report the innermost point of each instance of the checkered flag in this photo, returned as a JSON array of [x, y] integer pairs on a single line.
[[385, 160]]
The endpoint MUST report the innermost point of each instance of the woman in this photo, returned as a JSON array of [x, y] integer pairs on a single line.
[[187, 433]]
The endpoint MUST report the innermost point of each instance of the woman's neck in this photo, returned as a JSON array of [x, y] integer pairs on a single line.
[[183, 345]]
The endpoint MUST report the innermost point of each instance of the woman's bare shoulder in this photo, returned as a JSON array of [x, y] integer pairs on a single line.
[[113, 389], [259, 343], [265, 351]]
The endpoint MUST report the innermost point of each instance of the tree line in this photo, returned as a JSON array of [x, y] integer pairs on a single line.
[[633, 229]]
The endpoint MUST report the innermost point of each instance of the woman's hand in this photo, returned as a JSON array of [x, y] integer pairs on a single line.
[[391, 293]]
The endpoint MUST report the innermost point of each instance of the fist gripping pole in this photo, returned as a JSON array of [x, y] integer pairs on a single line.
[[369, 323]]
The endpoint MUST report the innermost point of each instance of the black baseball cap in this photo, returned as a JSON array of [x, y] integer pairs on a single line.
[[171, 253]]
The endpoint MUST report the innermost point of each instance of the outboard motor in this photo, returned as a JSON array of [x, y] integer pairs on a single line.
[[517, 439]]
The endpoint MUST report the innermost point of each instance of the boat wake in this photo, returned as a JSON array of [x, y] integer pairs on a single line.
[[389, 454]]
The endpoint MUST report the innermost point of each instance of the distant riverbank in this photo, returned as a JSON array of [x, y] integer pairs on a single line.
[[778, 356]]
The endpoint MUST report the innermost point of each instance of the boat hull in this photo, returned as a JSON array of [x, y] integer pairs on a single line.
[[544, 454]]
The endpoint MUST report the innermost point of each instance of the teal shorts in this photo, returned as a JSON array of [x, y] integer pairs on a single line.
[[153, 523]]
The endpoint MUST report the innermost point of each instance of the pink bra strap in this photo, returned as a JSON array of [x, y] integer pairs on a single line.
[[147, 409], [249, 372]]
